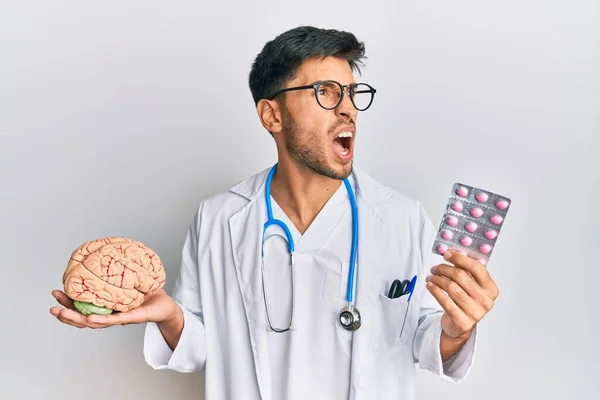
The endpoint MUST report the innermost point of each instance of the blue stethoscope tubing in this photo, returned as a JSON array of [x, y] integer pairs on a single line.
[[270, 219], [353, 250]]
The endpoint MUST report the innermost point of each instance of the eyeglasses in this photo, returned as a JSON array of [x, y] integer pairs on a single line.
[[329, 94]]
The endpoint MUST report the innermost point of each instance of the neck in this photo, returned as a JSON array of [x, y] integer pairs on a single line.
[[301, 193]]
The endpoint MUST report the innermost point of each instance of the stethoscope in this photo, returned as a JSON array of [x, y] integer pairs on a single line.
[[349, 317]]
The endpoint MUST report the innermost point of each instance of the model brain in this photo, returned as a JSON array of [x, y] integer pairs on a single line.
[[112, 274]]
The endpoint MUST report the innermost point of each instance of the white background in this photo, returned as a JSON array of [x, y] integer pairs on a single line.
[[119, 117]]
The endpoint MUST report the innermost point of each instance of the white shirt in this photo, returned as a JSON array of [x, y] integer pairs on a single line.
[[220, 291]]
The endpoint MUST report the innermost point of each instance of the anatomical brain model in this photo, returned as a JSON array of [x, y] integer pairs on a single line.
[[112, 274]]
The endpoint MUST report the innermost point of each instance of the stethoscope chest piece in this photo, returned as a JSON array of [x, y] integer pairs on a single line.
[[350, 318]]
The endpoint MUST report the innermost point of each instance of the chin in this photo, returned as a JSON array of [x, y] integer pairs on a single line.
[[341, 170]]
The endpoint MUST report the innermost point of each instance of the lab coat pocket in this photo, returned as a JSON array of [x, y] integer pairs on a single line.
[[394, 319]]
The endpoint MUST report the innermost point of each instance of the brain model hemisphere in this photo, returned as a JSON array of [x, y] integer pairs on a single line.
[[112, 274]]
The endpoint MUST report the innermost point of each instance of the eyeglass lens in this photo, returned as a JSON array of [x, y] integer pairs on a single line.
[[329, 95]]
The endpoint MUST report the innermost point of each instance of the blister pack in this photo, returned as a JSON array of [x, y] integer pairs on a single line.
[[471, 222]]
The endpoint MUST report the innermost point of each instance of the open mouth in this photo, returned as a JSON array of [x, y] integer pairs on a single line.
[[342, 143]]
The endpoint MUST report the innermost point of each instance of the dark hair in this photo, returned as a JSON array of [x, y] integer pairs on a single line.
[[282, 56]]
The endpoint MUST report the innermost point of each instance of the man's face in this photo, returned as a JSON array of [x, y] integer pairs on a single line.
[[311, 132]]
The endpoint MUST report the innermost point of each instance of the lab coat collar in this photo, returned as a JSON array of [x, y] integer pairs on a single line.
[[373, 192], [246, 227]]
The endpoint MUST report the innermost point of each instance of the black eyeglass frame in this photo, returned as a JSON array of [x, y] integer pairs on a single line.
[[315, 86]]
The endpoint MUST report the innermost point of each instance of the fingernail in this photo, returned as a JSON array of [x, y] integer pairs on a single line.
[[429, 284], [428, 278], [447, 255], [434, 268]]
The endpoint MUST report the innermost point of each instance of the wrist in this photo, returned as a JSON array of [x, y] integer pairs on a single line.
[[172, 325], [461, 338], [450, 345], [174, 315]]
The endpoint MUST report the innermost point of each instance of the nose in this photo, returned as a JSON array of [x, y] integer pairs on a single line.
[[345, 110]]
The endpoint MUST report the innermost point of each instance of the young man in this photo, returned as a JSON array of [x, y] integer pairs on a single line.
[[262, 329]]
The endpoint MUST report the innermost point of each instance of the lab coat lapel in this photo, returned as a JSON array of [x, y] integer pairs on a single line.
[[371, 247], [246, 233]]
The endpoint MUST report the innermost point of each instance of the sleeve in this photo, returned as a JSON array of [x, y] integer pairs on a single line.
[[190, 353], [426, 346]]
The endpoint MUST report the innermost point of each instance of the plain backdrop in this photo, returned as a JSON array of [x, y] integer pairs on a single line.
[[118, 117]]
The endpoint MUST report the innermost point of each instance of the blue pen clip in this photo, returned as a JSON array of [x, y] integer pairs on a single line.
[[411, 287]]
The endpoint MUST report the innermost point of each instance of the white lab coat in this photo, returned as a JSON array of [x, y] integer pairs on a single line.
[[219, 288]]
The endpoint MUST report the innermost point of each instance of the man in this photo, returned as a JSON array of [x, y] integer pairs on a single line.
[[223, 320]]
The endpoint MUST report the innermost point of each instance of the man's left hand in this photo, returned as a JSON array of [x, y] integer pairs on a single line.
[[466, 292]]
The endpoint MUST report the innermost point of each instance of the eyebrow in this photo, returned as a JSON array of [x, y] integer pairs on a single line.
[[324, 80]]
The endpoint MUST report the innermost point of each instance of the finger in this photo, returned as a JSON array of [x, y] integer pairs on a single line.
[[460, 298], [57, 312], [455, 313], [479, 272], [75, 318], [110, 319], [466, 281], [69, 322], [63, 299], [135, 316]]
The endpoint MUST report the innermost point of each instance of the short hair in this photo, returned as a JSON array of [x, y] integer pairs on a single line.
[[282, 56]]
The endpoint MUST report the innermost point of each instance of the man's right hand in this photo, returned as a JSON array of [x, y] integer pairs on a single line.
[[157, 307]]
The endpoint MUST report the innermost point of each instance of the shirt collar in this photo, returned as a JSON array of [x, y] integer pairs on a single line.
[[371, 191]]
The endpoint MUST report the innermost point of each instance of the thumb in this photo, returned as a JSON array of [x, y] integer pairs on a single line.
[[63, 299]]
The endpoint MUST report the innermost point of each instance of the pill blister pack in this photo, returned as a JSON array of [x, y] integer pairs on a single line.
[[471, 222]]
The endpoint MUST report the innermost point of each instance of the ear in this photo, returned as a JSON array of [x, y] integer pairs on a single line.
[[270, 115]]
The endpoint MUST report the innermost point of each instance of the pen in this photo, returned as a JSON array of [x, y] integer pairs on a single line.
[[411, 290]]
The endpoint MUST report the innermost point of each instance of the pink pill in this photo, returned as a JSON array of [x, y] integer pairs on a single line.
[[485, 248], [452, 221], [466, 241], [496, 219], [442, 249], [502, 204], [490, 234], [447, 235], [471, 227], [476, 212], [482, 261], [462, 191], [482, 197], [457, 206]]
